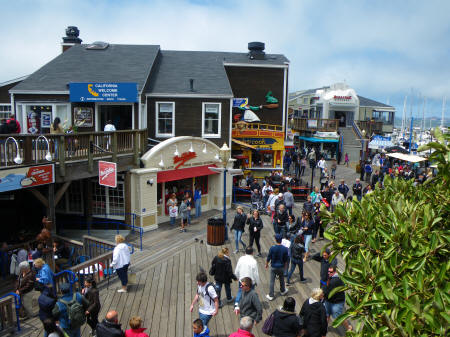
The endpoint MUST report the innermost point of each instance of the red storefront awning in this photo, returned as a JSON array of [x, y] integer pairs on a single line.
[[185, 173]]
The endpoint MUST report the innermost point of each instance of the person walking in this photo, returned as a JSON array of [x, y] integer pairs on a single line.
[[121, 261], [245, 328], [285, 322], [325, 263], [278, 258], [314, 315], [297, 250], [223, 274], [249, 303], [303, 164], [334, 305], [184, 213], [46, 302], [207, 297], [346, 159], [280, 221], [69, 311], [308, 227], [289, 200], [198, 200], [44, 274], [110, 326], [172, 208], [238, 227], [324, 178], [368, 171], [333, 168], [51, 329], [91, 293], [198, 329], [315, 195], [246, 267], [255, 226]]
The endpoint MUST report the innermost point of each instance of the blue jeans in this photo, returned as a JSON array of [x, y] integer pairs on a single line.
[[308, 239], [334, 309], [123, 274], [227, 290], [289, 210], [274, 272], [198, 207], [294, 264], [205, 318], [189, 218], [239, 293], [238, 238], [172, 220]]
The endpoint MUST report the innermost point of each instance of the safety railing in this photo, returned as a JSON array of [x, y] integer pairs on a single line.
[[65, 276], [357, 130], [314, 124], [6, 313], [100, 268], [371, 127]]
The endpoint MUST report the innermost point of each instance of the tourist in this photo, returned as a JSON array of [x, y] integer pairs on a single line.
[[91, 293], [189, 203], [184, 213], [357, 189], [198, 201], [245, 328], [376, 178], [265, 192], [337, 198], [324, 178], [279, 201], [24, 288], [314, 315], [325, 263], [280, 221], [333, 168], [61, 253], [308, 227], [308, 206], [334, 305], [271, 203], [121, 261], [246, 267], [346, 159], [71, 324], [343, 188], [13, 124], [289, 200], [46, 301], [249, 303], [303, 164], [44, 274], [293, 227], [51, 329], [315, 195], [256, 199], [278, 258], [286, 322], [207, 297], [223, 274], [110, 326], [318, 223], [136, 328], [255, 226], [296, 252], [321, 164], [172, 208], [368, 171], [238, 226], [199, 329]]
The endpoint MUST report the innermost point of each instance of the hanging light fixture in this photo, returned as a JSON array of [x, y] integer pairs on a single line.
[[18, 160], [191, 149], [204, 149], [217, 156], [161, 163], [176, 153]]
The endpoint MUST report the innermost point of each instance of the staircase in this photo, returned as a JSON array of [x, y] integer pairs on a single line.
[[351, 144]]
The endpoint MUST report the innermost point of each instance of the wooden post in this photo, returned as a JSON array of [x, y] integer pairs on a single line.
[[136, 148], [127, 187], [91, 154], [62, 156], [28, 150], [88, 203], [114, 146], [51, 214]]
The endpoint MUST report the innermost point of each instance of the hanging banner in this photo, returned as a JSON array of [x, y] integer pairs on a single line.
[[24, 177], [107, 174]]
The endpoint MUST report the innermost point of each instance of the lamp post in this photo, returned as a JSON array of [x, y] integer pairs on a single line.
[[18, 160], [225, 154]]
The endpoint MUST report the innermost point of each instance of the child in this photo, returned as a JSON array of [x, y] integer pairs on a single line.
[[184, 212], [199, 331], [90, 292], [136, 330]]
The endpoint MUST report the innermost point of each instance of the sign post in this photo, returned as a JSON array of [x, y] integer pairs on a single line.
[[107, 174]]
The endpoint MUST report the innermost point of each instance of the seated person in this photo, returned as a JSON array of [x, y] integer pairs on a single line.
[[61, 253]]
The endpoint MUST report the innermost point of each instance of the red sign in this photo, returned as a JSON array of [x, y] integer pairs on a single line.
[[107, 174], [185, 156], [23, 177], [41, 175], [342, 97]]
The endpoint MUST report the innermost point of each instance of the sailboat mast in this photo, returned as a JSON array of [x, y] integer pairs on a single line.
[[404, 117], [443, 112]]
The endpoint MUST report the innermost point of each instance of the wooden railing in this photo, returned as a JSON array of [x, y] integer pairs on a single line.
[[371, 127], [94, 247], [258, 126], [33, 149], [314, 124], [7, 321], [70, 244]]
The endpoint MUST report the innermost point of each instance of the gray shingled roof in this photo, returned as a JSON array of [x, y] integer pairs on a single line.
[[117, 63], [176, 68], [363, 101]]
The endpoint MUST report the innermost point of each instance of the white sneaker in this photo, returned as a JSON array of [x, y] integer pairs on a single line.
[[284, 292], [121, 290], [270, 298]]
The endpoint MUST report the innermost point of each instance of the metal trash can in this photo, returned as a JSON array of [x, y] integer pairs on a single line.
[[215, 234]]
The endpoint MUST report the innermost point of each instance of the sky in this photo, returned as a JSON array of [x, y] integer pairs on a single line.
[[385, 50]]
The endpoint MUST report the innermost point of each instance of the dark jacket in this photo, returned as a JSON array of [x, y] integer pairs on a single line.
[[239, 222], [222, 270], [108, 329], [285, 324], [249, 305], [279, 202], [337, 297], [278, 256], [308, 206], [309, 224], [93, 298], [283, 217], [297, 250], [252, 223], [324, 265], [25, 284], [46, 304], [343, 188], [314, 319], [357, 189]]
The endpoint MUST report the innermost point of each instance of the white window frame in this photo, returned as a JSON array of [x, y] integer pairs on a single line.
[[21, 114], [164, 135], [213, 135], [10, 110]]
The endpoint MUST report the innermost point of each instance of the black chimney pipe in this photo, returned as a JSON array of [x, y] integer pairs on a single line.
[[191, 82]]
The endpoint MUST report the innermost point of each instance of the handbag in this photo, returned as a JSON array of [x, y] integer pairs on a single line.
[[132, 277], [268, 325]]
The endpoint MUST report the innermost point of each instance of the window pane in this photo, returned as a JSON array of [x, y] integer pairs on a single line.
[[165, 114], [211, 118], [211, 126], [62, 112]]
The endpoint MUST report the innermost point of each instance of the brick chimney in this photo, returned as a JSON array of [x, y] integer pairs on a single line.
[[71, 38]]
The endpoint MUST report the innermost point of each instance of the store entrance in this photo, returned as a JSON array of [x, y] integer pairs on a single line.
[[342, 117], [120, 115]]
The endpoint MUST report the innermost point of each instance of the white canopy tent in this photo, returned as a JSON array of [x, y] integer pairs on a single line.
[[406, 157]]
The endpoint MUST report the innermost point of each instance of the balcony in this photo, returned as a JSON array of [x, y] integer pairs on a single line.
[[257, 130], [314, 124], [371, 127]]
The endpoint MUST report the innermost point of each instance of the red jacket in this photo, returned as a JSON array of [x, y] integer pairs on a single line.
[[242, 333], [136, 333]]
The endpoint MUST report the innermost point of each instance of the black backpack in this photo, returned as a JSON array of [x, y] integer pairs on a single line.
[[297, 251]]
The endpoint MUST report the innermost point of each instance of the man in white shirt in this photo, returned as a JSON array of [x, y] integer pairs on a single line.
[[208, 305], [336, 199], [109, 127], [246, 267], [322, 164]]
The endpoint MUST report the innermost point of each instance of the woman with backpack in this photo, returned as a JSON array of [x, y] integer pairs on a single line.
[[297, 249], [90, 292], [223, 274]]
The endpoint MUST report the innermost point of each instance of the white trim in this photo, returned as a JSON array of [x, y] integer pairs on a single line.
[[13, 105], [62, 92], [259, 65], [231, 123], [24, 119], [188, 95], [97, 119], [207, 135], [18, 79], [164, 135], [284, 101], [132, 117]]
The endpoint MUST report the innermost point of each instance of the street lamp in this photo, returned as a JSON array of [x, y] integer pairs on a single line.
[[18, 160], [48, 156]]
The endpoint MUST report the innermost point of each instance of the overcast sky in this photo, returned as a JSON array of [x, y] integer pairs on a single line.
[[383, 49]]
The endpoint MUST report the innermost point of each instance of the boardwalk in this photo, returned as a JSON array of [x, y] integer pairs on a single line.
[[166, 270]]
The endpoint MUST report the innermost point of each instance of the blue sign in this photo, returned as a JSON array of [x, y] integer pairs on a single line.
[[239, 102], [103, 92]]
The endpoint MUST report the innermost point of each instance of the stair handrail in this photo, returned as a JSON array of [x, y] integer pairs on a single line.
[[357, 130], [17, 304]]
